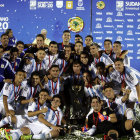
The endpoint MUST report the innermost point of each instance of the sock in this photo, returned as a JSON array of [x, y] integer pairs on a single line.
[[39, 136], [5, 121], [16, 134]]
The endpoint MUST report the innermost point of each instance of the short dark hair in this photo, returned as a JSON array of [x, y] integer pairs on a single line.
[[44, 90], [20, 70], [53, 42], [108, 85], [96, 97], [79, 42], [14, 49], [4, 34], [19, 42], [95, 44], [77, 35], [66, 31], [57, 96], [118, 59], [108, 41], [100, 64], [90, 37], [40, 35], [54, 66], [117, 42], [35, 73], [85, 53], [8, 31], [76, 62], [41, 49]]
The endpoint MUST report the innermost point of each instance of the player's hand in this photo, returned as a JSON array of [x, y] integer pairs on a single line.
[[44, 110], [8, 113], [7, 80], [56, 128], [45, 79], [31, 100]]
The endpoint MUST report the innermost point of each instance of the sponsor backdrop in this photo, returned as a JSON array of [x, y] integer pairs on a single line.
[[112, 19]]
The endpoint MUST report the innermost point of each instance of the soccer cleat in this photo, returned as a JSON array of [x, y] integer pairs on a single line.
[[4, 134], [26, 137]]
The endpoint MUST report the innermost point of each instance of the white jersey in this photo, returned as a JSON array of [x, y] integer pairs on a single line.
[[35, 106], [94, 91], [34, 66], [11, 91], [120, 108], [103, 58], [62, 64], [30, 92], [53, 87], [54, 117], [50, 60], [126, 60]]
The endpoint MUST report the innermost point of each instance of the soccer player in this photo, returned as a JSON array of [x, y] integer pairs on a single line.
[[88, 42], [36, 64], [102, 120], [53, 81], [10, 94], [20, 47], [127, 76], [66, 40], [78, 38], [118, 53], [6, 71]]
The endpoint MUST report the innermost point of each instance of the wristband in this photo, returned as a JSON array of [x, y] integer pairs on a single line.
[[109, 118]]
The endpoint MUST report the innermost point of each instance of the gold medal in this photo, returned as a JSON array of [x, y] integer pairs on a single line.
[[100, 5], [104, 113], [2, 65]]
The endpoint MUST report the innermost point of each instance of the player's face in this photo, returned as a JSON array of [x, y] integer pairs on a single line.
[[67, 51], [100, 70], [96, 105], [83, 59], [35, 80], [39, 42], [43, 96], [53, 48], [4, 40], [116, 48], [88, 41], [41, 55], [19, 76], [93, 50], [66, 37], [109, 93], [14, 56], [55, 103], [86, 77], [54, 72], [107, 46], [119, 66], [78, 48], [10, 34], [76, 68], [78, 39], [20, 47]]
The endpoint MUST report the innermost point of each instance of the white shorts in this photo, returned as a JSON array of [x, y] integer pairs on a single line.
[[2, 110], [38, 128]]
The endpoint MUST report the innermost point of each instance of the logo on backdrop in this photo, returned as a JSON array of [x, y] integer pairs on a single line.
[[75, 24], [69, 4], [45, 4], [59, 3], [100, 5], [1, 5], [80, 5], [119, 5], [33, 4]]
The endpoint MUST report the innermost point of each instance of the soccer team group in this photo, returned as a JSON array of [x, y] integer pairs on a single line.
[[48, 88]]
